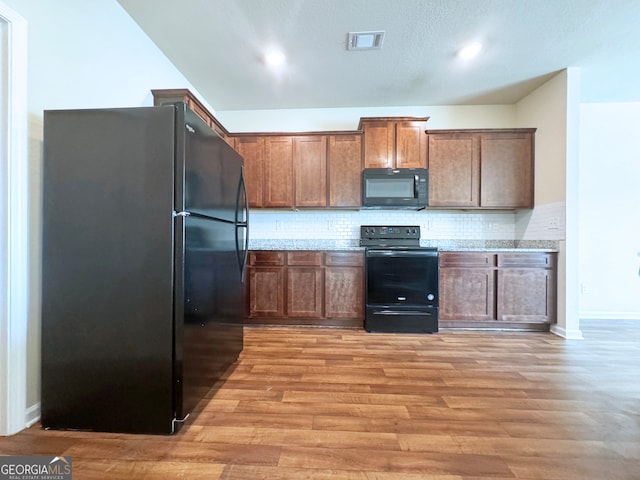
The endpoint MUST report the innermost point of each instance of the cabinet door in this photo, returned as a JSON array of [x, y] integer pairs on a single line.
[[467, 294], [410, 144], [526, 295], [305, 292], [310, 160], [379, 144], [278, 172], [345, 167], [454, 170], [506, 170], [344, 292], [344, 285], [266, 291], [252, 150]]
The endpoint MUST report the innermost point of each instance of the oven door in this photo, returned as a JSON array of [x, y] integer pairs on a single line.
[[401, 291], [405, 277]]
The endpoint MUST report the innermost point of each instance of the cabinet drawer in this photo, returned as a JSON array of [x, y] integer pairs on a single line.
[[467, 259], [266, 258], [526, 259], [303, 258], [351, 259]]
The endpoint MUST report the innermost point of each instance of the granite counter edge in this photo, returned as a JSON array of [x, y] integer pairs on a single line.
[[442, 245]]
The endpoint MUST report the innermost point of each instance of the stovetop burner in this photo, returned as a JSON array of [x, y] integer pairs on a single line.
[[389, 236]]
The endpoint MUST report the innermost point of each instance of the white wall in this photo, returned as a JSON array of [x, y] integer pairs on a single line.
[[545, 109], [609, 217], [81, 54], [314, 119], [554, 109]]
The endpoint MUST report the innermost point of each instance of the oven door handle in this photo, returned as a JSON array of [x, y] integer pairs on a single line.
[[403, 312], [401, 253]]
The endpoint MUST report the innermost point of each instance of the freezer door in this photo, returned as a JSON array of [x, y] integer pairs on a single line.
[[210, 172]]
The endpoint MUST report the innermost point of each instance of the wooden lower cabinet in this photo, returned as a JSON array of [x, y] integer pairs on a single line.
[[313, 287], [467, 294], [265, 293], [500, 290], [344, 285], [497, 290], [304, 292], [304, 284], [526, 287]]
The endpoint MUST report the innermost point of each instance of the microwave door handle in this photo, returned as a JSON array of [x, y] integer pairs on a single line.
[[415, 186]]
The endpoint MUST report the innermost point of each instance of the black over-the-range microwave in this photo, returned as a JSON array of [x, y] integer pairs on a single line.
[[406, 188]]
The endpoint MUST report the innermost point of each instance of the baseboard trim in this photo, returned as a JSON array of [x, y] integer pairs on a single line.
[[32, 414], [610, 315], [564, 333]]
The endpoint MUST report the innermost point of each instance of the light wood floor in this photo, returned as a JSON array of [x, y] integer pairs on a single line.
[[344, 404]]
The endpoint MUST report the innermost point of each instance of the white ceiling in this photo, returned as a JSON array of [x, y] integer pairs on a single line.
[[217, 45]]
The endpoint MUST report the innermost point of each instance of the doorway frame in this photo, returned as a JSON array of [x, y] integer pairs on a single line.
[[13, 222]]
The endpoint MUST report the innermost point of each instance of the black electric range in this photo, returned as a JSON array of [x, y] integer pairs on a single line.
[[401, 280]]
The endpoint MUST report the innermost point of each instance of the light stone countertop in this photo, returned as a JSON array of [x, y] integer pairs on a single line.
[[442, 245]]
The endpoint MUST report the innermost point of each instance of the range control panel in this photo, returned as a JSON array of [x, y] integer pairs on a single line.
[[389, 235], [375, 231]]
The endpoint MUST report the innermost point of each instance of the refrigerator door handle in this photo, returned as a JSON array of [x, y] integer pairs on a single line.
[[242, 251]]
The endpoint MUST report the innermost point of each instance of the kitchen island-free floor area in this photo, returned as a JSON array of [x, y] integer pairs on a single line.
[[309, 403]]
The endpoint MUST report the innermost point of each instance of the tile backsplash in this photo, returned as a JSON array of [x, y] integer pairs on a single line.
[[542, 223]]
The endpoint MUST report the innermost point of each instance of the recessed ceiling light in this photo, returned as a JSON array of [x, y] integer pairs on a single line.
[[470, 51], [274, 58]]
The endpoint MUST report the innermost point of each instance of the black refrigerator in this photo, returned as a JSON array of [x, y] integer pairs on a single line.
[[145, 231]]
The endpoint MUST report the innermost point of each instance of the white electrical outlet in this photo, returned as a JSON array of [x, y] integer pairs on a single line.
[[491, 226], [554, 223]]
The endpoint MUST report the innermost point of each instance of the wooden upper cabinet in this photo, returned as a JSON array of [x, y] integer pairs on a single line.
[[293, 170], [411, 144], [278, 172], [394, 142], [164, 96], [507, 170], [471, 168], [454, 170], [252, 150], [345, 166], [378, 145], [481, 168], [310, 163]]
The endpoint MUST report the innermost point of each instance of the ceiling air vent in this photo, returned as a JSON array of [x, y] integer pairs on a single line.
[[365, 40]]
